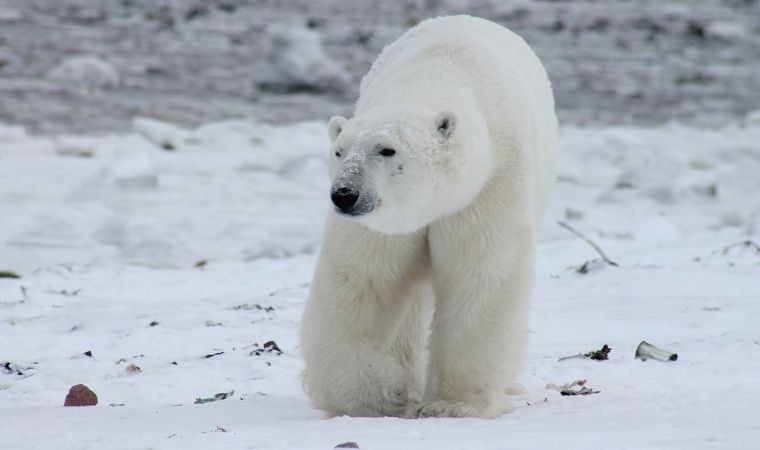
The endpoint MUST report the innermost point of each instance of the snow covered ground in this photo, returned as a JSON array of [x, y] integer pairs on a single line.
[[173, 255]]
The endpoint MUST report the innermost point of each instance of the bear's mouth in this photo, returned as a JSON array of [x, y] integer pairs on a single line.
[[365, 205], [350, 212]]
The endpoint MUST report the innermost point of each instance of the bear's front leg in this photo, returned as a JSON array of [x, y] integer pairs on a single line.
[[482, 272], [362, 293]]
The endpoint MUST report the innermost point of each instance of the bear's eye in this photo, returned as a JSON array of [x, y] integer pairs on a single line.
[[387, 152], [337, 154]]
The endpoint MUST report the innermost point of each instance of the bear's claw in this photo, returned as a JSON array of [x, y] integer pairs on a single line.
[[442, 408]]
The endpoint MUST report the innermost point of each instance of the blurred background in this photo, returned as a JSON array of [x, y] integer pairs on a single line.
[[166, 132], [92, 65]]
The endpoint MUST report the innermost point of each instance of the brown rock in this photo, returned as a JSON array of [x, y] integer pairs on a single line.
[[80, 395]]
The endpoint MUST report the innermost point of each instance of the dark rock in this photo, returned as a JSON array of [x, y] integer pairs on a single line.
[[80, 395]]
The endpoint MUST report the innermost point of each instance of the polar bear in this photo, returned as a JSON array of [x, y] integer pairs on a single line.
[[419, 302]]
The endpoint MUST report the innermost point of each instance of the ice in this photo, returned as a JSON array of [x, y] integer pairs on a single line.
[[753, 225], [295, 61], [753, 118], [12, 132], [162, 134], [729, 31], [133, 171], [85, 71], [9, 15], [192, 62]]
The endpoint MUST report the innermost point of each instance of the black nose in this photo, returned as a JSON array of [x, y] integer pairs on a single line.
[[344, 197]]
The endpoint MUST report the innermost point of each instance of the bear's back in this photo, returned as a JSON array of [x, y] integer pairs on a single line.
[[475, 45], [485, 61]]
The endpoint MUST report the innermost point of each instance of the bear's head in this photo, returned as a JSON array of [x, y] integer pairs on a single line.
[[398, 170]]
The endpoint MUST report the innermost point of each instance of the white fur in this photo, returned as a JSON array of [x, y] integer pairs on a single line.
[[445, 254]]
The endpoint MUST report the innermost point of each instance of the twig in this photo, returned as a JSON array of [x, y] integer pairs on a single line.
[[216, 397], [590, 242], [597, 355], [24, 298], [750, 244]]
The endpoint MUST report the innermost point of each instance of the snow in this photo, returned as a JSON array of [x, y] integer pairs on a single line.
[[229, 190], [149, 255]]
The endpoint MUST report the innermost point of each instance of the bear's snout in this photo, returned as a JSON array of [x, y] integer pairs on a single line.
[[344, 198]]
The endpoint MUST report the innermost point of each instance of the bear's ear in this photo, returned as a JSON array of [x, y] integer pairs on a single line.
[[445, 122], [335, 126]]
